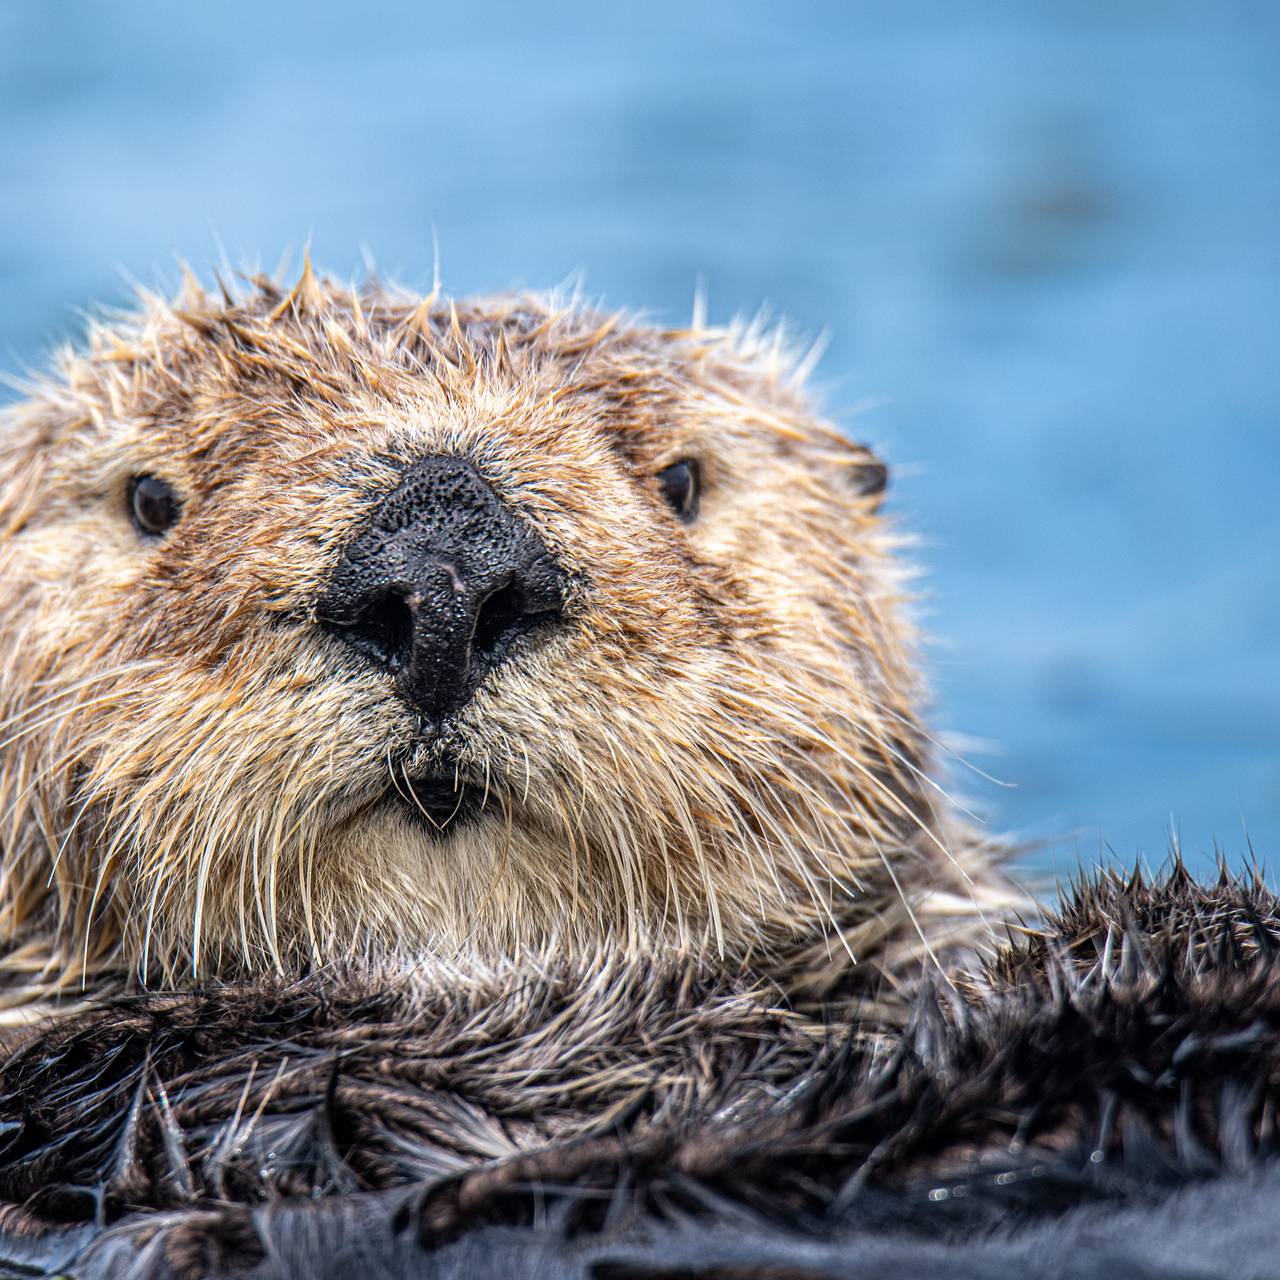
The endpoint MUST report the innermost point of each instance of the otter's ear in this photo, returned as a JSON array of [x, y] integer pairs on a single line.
[[866, 475]]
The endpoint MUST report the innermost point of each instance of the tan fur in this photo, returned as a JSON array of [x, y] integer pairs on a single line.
[[721, 751]]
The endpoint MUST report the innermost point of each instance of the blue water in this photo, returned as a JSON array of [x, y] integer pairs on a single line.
[[1043, 238]]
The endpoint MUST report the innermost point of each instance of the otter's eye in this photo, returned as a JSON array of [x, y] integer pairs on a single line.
[[153, 505], [679, 485]]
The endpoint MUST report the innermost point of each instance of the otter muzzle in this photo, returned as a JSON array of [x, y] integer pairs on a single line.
[[440, 584]]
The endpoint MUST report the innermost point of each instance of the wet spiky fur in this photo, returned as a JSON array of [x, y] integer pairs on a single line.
[[722, 752], [648, 1122]]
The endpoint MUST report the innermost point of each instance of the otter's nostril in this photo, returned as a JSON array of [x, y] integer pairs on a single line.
[[382, 630], [501, 618]]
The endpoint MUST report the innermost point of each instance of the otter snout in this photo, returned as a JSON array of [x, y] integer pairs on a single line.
[[440, 583]]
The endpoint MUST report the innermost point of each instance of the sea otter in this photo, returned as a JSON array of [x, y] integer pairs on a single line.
[[339, 624], [486, 737]]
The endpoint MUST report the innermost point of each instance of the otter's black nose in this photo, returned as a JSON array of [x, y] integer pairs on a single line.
[[439, 583]]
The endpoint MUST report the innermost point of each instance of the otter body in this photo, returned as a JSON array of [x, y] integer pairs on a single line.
[[342, 625], [1100, 1102]]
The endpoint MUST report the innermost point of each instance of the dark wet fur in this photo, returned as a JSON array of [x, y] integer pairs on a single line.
[[1101, 1102]]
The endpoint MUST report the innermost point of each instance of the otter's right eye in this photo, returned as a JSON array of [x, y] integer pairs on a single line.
[[153, 505], [679, 485]]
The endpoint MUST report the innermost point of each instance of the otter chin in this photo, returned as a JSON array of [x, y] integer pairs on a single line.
[[337, 622]]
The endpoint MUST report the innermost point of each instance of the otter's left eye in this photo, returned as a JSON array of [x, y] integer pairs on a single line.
[[153, 505], [679, 485]]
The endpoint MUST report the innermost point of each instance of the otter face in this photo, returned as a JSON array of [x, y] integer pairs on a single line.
[[337, 623]]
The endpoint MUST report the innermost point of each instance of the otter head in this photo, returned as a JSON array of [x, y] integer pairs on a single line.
[[342, 622]]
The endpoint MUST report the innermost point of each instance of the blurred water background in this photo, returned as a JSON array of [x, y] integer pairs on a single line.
[[1043, 239]]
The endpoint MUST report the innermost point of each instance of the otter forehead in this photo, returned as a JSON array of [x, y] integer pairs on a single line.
[[272, 380], [365, 617]]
